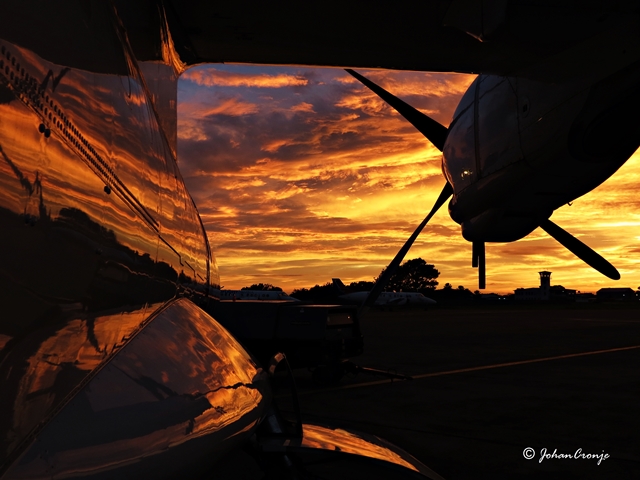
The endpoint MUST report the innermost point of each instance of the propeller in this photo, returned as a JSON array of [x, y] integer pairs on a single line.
[[437, 134], [580, 250], [478, 261]]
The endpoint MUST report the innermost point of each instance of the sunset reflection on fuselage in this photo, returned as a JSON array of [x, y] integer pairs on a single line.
[[98, 231]]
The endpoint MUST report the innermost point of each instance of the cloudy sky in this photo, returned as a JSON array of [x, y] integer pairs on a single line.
[[301, 175]]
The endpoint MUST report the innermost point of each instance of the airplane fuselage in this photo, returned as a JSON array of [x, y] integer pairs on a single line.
[[252, 295], [391, 298], [104, 265]]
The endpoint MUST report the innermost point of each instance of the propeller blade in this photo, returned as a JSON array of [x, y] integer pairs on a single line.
[[580, 250], [479, 261], [375, 292], [435, 133]]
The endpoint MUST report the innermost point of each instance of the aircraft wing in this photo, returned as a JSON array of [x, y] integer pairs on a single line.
[[524, 37], [543, 39]]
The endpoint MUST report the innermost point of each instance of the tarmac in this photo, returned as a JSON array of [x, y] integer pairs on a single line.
[[490, 382]]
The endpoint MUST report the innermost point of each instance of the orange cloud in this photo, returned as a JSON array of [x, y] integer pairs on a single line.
[[303, 107], [231, 106], [210, 77]]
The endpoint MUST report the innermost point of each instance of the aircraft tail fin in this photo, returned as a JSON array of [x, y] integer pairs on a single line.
[[337, 283]]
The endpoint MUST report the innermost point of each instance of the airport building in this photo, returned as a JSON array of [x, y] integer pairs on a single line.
[[545, 292], [616, 295]]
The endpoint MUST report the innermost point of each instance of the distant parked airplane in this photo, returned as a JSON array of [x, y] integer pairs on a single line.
[[385, 298], [272, 295]]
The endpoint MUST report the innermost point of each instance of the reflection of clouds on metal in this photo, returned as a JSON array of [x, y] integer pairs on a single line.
[[181, 383], [337, 453], [349, 442], [96, 224], [52, 113], [111, 124], [67, 356]]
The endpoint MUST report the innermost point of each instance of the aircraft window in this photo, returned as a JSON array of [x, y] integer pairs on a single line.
[[13, 61]]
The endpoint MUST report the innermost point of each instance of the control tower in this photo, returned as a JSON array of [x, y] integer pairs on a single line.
[[545, 285]]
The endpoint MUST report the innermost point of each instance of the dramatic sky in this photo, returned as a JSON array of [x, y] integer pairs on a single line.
[[301, 175]]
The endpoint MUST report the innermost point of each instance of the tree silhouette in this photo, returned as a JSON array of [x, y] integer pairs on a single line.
[[318, 293], [450, 294], [362, 285], [415, 275], [262, 286]]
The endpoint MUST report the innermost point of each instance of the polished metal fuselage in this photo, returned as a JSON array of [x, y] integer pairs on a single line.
[[107, 363]]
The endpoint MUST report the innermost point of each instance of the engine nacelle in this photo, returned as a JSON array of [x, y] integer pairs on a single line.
[[483, 136], [518, 149]]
